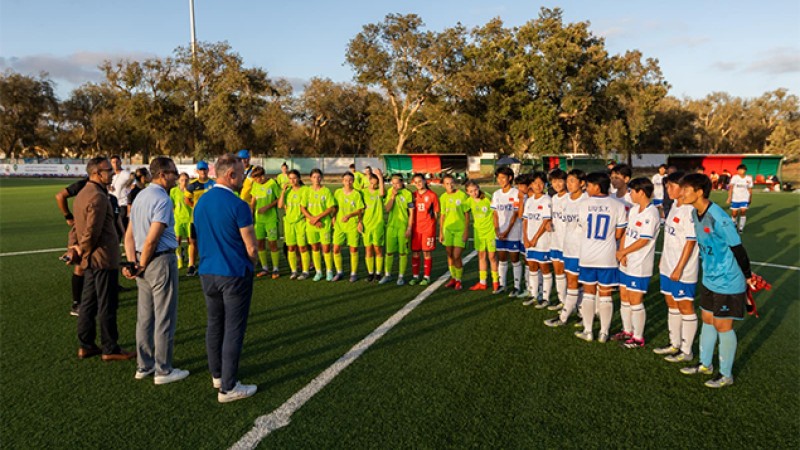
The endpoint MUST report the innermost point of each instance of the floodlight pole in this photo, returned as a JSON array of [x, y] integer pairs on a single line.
[[194, 57]]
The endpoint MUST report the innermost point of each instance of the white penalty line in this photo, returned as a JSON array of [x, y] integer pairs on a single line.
[[281, 417], [764, 264]]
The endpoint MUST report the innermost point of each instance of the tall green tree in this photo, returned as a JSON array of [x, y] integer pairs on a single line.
[[25, 102]]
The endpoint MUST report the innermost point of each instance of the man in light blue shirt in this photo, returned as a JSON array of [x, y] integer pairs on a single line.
[[150, 248]]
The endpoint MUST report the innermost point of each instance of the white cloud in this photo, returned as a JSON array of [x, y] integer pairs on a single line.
[[75, 69], [725, 66], [777, 61]]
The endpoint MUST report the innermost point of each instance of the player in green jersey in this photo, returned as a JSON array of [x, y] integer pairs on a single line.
[[374, 232], [183, 214], [454, 228], [399, 204], [349, 209], [293, 195], [264, 194], [483, 237], [283, 178], [319, 209]]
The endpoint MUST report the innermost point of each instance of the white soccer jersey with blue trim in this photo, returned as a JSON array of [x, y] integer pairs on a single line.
[[570, 216], [537, 210], [644, 224], [506, 205], [679, 229], [740, 187], [559, 226], [599, 218]]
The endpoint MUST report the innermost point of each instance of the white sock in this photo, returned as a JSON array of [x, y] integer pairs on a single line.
[[561, 287], [587, 310], [516, 268], [674, 325], [688, 330], [570, 303], [605, 308], [540, 281], [638, 316], [580, 298], [625, 315], [533, 285], [502, 268], [547, 286], [742, 220], [525, 274]]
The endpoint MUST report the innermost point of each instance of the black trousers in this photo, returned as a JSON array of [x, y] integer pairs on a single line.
[[100, 299]]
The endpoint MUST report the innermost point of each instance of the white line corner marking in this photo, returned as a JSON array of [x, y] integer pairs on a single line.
[[281, 417]]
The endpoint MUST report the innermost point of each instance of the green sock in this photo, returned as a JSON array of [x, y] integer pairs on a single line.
[[370, 261], [337, 261], [353, 263], [305, 259], [262, 257], [276, 256], [317, 256], [452, 270], [378, 264], [293, 261], [459, 271], [403, 264], [388, 263], [482, 276], [328, 261]]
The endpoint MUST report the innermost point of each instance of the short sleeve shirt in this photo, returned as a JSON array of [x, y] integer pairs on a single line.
[[559, 226], [482, 216], [293, 199], [506, 205], [741, 188], [658, 185], [347, 204], [74, 188], [264, 194], [317, 201], [454, 207], [716, 234], [536, 211], [570, 216], [182, 211], [153, 204], [599, 218], [373, 209], [678, 230], [218, 217], [644, 224], [398, 215], [426, 207]]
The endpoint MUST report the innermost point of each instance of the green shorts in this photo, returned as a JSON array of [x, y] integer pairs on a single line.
[[316, 235], [396, 240], [266, 230], [454, 239], [182, 229], [295, 233], [350, 237], [375, 236], [484, 243]]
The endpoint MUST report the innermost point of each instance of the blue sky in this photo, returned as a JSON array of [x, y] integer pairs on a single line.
[[744, 48]]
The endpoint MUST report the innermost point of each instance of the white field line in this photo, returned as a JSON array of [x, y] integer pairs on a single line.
[[764, 264], [281, 417]]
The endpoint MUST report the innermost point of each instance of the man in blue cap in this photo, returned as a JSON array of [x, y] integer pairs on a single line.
[[247, 186], [194, 191]]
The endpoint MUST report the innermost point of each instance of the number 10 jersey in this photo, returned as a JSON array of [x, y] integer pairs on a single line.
[[599, 219]]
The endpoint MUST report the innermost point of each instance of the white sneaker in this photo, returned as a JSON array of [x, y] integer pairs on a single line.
[[174, 375], [529, 302], [216, 382], [603, 338], [141, 374], [239, 392], [585, 335], [679, 357], [542, 305]]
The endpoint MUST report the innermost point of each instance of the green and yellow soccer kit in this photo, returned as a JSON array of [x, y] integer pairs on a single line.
[[374, 232], [482, 224], [347, 203], [282, 179], [454, 206], [266, 224], [182, 212], [360, 180], [317, 201], [397, 222], [294, 222]]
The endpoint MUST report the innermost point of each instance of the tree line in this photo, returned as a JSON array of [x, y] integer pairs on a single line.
[[545, 87]]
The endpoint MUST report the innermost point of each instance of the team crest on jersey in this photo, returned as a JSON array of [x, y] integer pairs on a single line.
[[458, 202], [484, 209]]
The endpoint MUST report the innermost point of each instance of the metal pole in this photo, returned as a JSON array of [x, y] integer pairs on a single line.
[[194, 56]]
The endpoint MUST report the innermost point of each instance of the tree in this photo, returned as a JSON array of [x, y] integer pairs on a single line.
[[25, 101]]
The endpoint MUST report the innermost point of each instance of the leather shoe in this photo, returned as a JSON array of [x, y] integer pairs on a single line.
[[121, 355], [88, 352]]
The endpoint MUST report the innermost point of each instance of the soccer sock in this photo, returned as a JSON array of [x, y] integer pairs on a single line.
[[77, 289], [403, 265], [587, 311], [727, 352], [516, 268], [708, 339], [570, 302], [742, 220], [378, 264], [337, 261], [305, 259], [292, 261], [525, 278], [276, 256], [370, 261], [415, 266], [533, 284], [388, 263], [459, 273], [625, 315], [353, 263], [674, 320], [688, 330], [317, 256], [452, 269], [638, 317], [180, 258], [502, 268], [328, 257], [606, 311], [428, 267], [547, 286], [192, 251], [561, 287], [482, 276], [262, 258], [496, 277]]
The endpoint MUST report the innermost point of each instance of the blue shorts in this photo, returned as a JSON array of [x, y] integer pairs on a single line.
[[658, 202], [631, 283], [539, 257], [679, 291], [604, 276], [556, 255], [508, 246], [740, 205], [571, 266]]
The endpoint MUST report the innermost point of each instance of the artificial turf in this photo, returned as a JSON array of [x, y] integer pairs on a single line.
[[464, 369]]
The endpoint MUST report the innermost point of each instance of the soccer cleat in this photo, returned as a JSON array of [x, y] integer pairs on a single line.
[[585, 335], [293, 276], [337, 277], [276, 275], [555, 322], [174, 375], [496, 286], [603, 338], [458, 286], [555, 307], [318, 276], [385, 279], [679, 357], [262, 273], [413, 281], [425, 281], [634, 343], [74, 311], [666, 350], [622, 336], [239, 392], [719, 382], [141, 374], [523, 293], [516, 292], [529, 302], [191, 271], [542, 305], [400, 281], [303, 276], [498, 289], [698, 368], [479, 287], [450, 283], [369, 278], [353, 278], [329, 276]]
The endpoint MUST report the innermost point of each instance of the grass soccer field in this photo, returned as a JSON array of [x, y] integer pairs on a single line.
[[463, 369]]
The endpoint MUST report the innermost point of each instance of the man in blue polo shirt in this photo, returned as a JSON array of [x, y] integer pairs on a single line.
[[726, 272], [228, 251]]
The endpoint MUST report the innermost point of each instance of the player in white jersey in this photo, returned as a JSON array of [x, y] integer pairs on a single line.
[[558, 181], [536, 236], [636, 256], [571, 248], [658, 189], [505, 204], [740, 190], [602, 222], [522, 182], [679, 268], [620, 177]]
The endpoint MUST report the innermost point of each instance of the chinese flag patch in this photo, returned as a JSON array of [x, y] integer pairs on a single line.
[[539, 207], [707, 230], [638, 224], [676, 219]]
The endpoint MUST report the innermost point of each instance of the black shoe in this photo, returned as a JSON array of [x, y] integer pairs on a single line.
[[73, 311], [191, 272], [370, 278]]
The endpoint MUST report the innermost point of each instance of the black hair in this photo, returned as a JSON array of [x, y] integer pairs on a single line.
[[622, 169], [675, 177], [601, 179], [662, 166], [159, 164], [349, 174], [372, 176], [297, 174], [577, 173], [399, 176], [419, 175], [533, 176], [642, 184], [285, 165], [91, 166], [557, 174], [257, 172], [352, 166], [741, 166], [698, 182], [477, 186], [523, 178], [448, 175], [140, 173], [505, 171], [316, 170]]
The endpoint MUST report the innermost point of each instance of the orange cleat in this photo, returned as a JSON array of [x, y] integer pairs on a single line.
[[478, 287], [451, 283], [457, 286]]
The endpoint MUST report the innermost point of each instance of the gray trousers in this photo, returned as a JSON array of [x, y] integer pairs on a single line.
[[156, 314]]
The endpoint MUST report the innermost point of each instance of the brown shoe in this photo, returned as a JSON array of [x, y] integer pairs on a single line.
[[88, 352], [122, 355]]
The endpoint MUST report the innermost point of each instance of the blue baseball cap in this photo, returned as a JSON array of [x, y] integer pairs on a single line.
[[243, 154], [202, 165]]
